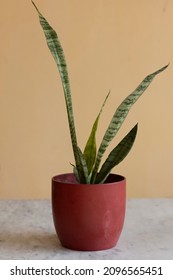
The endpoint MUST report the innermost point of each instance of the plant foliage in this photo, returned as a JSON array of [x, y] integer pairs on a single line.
[[87, 164]]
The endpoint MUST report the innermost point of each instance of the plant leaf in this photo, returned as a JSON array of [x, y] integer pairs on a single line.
[[117, 155], [75, 172], [119, 117], [82, 168], [56, 50], [90, 148]]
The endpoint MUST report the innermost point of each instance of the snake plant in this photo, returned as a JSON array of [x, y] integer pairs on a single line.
[[87, 163]]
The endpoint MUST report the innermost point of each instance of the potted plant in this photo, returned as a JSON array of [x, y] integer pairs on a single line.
[[88, 204]]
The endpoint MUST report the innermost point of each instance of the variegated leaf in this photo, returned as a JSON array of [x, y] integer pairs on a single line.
[[82, 169], [58, 55], [119, 117], [117, 155], [90, 148]]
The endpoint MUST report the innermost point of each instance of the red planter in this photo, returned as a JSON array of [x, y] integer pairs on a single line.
[[88, 217]]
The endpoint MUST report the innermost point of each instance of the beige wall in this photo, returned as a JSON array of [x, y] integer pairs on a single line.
[[109, 44]]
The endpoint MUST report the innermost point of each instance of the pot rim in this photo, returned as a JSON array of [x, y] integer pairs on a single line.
[[69, 178]]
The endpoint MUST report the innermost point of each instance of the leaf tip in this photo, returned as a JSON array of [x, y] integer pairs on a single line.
[[35, 7]]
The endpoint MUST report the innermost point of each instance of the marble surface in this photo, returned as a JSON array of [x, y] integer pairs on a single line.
[[27, 232]]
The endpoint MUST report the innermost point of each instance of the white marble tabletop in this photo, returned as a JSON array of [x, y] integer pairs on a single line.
[[27, 232]]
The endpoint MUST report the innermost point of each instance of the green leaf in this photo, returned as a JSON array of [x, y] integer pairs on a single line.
[[119, 117], [56, 50], [82, 169], [75, 172], [117, 155], [90, 148]]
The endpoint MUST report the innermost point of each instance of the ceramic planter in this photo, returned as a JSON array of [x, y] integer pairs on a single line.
[[88, 217]]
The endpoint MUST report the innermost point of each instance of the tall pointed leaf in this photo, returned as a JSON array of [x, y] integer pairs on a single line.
[[58, 55], [119, 117], [117, 155], [90, 148]]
